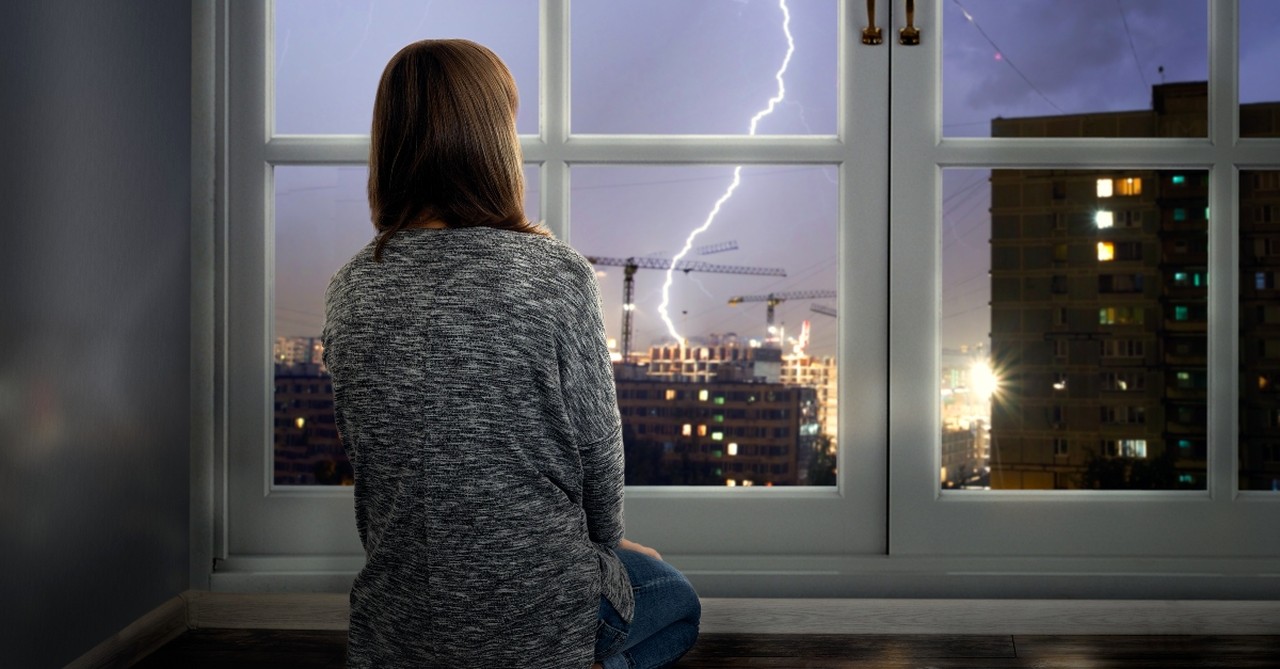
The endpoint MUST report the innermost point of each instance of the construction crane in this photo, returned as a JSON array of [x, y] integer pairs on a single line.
[[774, 299], [822, 309], [630, 265]]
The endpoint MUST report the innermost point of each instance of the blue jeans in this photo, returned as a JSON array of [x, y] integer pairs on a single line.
[[665, 624]]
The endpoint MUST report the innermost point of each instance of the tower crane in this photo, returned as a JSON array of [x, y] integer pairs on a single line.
[[774, 299], [822, 309], [631, 265]]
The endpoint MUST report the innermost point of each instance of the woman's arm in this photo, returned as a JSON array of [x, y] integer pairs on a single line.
[[590, 398]]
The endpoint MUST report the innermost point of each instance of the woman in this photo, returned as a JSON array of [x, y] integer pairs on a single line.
[[474, 395]]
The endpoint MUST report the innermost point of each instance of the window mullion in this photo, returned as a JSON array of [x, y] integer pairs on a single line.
[[1224, 126], [554, 64]]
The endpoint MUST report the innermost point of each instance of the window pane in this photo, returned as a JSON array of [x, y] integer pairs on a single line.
[[1074, 344], [1259, 53], [721, 395], [1260, 330], [677, 67], [329, 54], [322, 219], [1088, 68]]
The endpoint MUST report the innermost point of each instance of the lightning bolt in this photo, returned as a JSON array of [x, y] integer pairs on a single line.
[[737, 173]]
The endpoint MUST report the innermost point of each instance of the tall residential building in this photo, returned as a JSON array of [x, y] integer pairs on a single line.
[[1099, 309], [1259, 349]]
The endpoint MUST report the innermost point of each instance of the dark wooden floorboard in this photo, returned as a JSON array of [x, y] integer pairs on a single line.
[[254, 649]]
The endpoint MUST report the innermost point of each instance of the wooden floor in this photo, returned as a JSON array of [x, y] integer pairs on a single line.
[[207, 649]]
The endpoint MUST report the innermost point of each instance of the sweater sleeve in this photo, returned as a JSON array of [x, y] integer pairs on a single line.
[[586, 379]]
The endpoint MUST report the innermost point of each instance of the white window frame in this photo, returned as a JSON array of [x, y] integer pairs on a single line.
[[257, 520], [1214, 529], [887, 530]]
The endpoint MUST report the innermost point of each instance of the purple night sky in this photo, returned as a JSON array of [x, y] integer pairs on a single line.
[[707, 66]]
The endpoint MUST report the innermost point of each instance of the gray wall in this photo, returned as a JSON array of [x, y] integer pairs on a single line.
[[95, 170]]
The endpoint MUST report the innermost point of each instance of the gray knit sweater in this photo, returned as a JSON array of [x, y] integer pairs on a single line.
[[474, 396]]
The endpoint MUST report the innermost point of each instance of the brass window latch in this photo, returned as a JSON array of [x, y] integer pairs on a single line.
[[871, 34], [910, 35]]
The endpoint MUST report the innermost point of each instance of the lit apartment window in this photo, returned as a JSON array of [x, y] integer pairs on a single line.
[[686, 430], [1129, 186], [1178, 180], [1104, 188], [1121, 315], [702, 430], [702, 395], [1180, 312], [1104, 219], [1133, 448], [733, 448], [1106, 251], [671, 394], [1059, 381], [717, 436]]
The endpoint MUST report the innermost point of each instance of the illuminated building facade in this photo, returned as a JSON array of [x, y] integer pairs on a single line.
[[1099, 312], [717, 432], [819, 373]]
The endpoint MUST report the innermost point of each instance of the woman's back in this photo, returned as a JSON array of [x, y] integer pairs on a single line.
[[474, 397]]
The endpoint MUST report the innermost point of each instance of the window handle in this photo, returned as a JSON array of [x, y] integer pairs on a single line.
[[910, 35], [871, 34]]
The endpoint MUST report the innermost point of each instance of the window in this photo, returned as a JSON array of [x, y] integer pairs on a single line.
[[1121, 315], [1122, 415], [1123, 381], [1120, 283], [592, 164], [1266, 181], [1125, 448], [1104, 219], [1061, 448], [1129, 186], [1123, 348], [1128, 251], [1104, 188], [1106, 251]]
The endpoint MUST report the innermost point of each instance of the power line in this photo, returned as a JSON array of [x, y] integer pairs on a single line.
[[1005, 57], [1132, 49]]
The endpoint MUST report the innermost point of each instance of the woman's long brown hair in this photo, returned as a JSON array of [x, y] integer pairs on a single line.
[[444, 145]]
